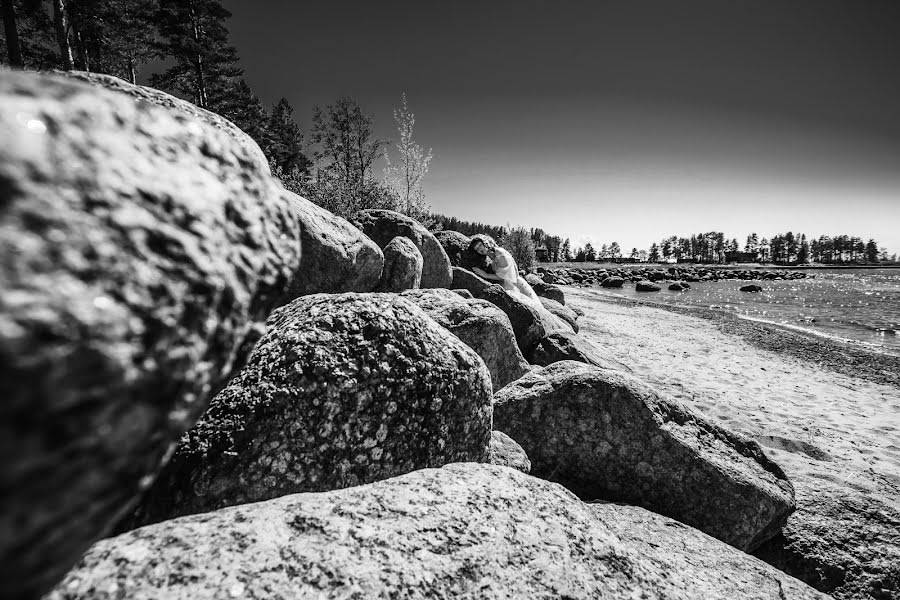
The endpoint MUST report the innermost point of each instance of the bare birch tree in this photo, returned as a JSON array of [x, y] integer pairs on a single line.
[[404, 175]]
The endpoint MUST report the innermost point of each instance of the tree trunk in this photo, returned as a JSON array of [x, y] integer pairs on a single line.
[[202, 97], [14, 49], [61, 23]]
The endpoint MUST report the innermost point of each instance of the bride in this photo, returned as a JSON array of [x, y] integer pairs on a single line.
[[505, 270]]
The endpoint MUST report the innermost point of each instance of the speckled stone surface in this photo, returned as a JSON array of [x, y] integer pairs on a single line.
[[481, 325], [141, 250], [605, 435], [147, 94], [384, 225], [342, 390], [402, 266], [506, 452], [527, 324], [465, 531], [337, 257], [684, 552]]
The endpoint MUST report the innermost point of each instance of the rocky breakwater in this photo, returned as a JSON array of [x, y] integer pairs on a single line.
[[143, 248], [615, 277]]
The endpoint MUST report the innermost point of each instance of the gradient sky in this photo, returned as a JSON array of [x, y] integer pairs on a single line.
[[615, 121]]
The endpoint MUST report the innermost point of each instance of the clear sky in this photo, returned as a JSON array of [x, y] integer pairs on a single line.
[[615, 121]]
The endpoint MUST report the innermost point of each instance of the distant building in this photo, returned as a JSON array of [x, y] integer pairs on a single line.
[[542, 254]]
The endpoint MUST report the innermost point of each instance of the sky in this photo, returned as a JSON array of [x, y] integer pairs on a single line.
[[626, 120]]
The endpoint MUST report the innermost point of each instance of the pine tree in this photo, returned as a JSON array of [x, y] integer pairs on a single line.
[[284, 139], [195, 36]]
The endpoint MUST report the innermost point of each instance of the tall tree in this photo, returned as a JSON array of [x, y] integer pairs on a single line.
[[347, 145], [61, 25], [11, 31], [284, 139], [196, 37], [405, 173]]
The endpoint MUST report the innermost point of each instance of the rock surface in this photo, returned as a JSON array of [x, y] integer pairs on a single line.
[[526, 322], [464, 531], [402, 266], [605, 435], [143, 249], [646, 286], [612, 282], [506, 452], [566, 314], [839, 541], [384, 225], [337, 257], [546, 290], [480, 325], [563, 345], [456, 245], [342, 390], [684, 552], [194, 113]]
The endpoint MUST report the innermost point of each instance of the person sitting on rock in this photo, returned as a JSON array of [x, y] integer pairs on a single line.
[[505, 270]]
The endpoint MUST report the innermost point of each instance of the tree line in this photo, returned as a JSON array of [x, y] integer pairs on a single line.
[[782, 248], [333, 166]]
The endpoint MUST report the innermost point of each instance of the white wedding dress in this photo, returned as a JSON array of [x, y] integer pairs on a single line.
[[517, 287]]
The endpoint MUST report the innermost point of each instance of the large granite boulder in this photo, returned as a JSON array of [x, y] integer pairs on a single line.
[[384, 225], [605, 435], [192, 112], [506, 452], [567, 315], [481, 325], [337, 257], [342, 390], [456, 245], [143, 249], [840, 541], [612, 282], [546, 290], [465, 531], [402, 266], [563, 345], [646, 286], [527, 323]]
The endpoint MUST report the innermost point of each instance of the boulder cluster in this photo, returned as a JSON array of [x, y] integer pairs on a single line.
[[265, 400], [649, 278]]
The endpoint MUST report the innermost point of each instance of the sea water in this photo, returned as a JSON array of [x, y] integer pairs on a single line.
[[859, 306]]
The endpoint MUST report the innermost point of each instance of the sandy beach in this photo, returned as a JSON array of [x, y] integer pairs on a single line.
[[828, 414]]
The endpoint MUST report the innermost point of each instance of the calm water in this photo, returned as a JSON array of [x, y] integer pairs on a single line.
[[856, 305]]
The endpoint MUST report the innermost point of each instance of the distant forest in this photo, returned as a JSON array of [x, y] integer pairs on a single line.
[[332, 164]]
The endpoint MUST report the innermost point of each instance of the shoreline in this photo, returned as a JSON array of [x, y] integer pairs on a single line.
[[842, 357], [711, 266]]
